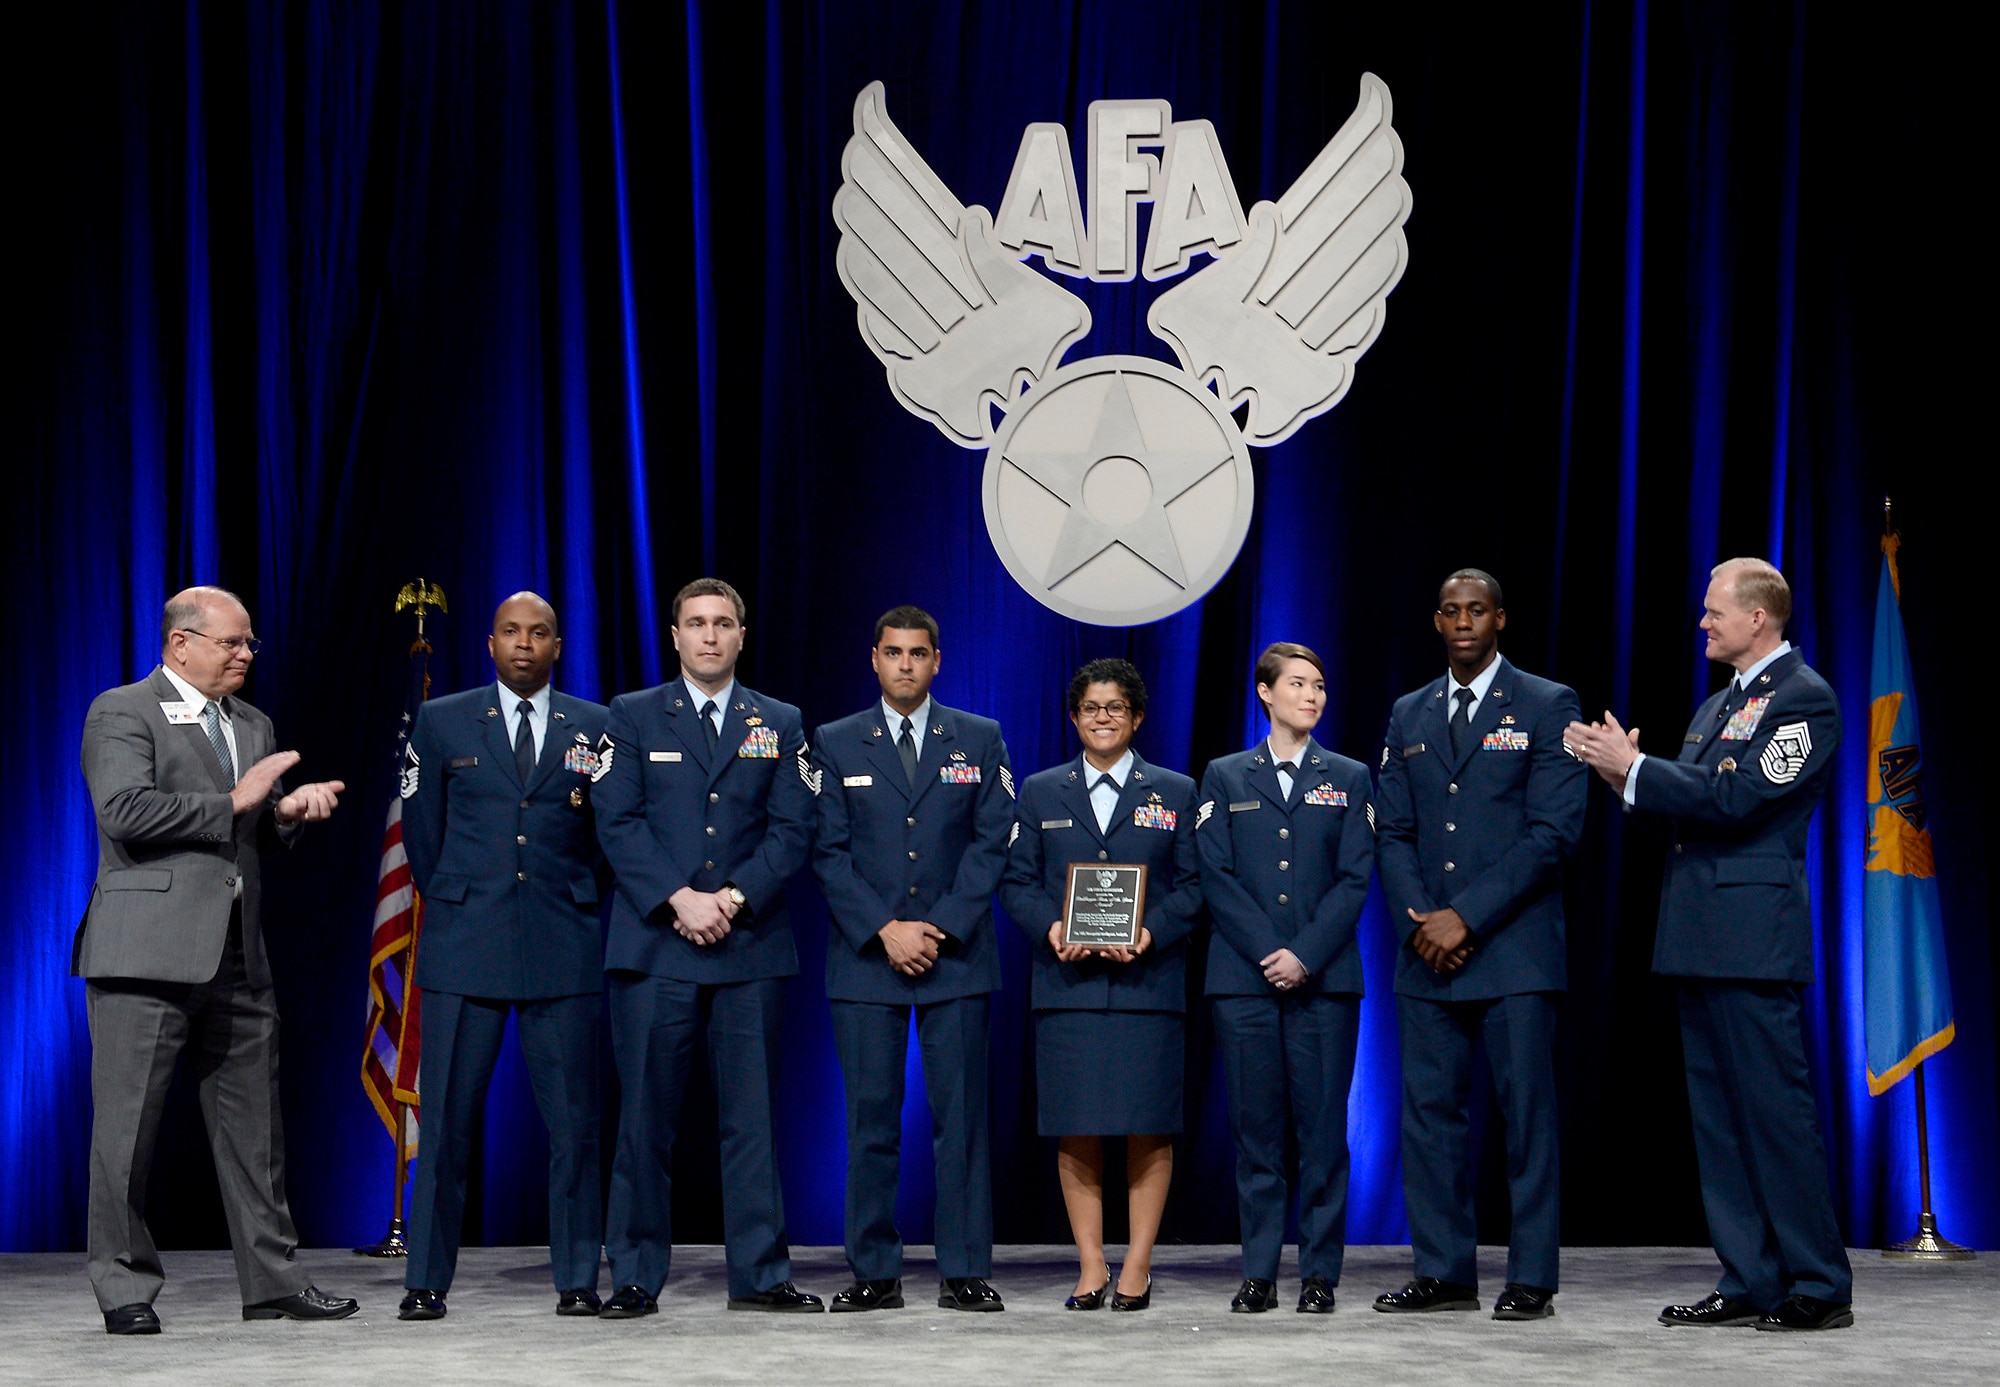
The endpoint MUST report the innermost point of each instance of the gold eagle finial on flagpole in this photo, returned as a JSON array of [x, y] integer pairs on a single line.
[[422, 596]]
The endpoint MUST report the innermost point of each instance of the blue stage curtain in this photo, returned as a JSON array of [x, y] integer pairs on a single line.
[[314, 298]]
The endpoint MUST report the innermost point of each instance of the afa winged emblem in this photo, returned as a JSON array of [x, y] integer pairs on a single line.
[[1118, 489]]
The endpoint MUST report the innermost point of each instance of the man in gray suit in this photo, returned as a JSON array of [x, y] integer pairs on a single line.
[[185, 781]]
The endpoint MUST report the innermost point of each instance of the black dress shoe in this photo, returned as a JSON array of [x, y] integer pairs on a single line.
[[1804, 1312], [132, 1319], [869, 1295], [968, 1293], [781, 1298], [421, 1305], [1090, 1300], [582, 1301], [1717, 1311], [1316, 1296], [1426, 1294], [1121, 1301], [1520, 1302], [628, 1303], [309, 1304], [1254, 1297]]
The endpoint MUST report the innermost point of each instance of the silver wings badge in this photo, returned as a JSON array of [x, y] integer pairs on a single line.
[[1118, 489]]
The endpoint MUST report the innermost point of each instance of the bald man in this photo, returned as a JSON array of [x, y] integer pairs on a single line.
[[185, 779], [502, 845]]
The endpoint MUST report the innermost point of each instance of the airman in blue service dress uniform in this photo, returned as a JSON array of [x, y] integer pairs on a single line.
[[1478, 807], [1736, 936], [497, 826], [1109, 1024], [1287, 847], [704, 815], [915, 803]]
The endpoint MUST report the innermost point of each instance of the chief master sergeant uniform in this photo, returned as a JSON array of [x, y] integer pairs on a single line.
[[682, 806], [497, 823], [1736, 936], [924, 844]]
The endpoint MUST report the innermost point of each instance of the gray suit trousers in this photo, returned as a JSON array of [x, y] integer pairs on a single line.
[[228, 1031]]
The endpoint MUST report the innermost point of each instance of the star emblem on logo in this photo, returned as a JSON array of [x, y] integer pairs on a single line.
[[1117, 489]]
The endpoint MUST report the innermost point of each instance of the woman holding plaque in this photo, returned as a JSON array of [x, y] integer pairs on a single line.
[[1109, 1032], [1287, 844]]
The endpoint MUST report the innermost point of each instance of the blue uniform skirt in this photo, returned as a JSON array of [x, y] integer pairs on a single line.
[[1109, 1073]]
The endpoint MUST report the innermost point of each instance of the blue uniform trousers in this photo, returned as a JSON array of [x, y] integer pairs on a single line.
[[654, 1022], [1437, 1040], [462, 1038], [1756, 1135], [872, 1039], [1290, 1056]]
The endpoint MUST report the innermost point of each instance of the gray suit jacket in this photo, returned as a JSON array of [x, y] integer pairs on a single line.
[[169, 849]]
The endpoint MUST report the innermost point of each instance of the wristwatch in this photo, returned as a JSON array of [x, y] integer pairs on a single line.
[[736, 894]]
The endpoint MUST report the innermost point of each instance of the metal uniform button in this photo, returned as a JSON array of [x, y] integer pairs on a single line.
[[1284, 833], [1284, 865], [710, 830], [910, 822], [524, 804], [913, 855], [1284, 900], [1451, 866], [1452, 788], [714, 798], [522, 839], [520, 876], [1677, 847], [913, 890], [708, 866], [1103, 856], [1451, 828]]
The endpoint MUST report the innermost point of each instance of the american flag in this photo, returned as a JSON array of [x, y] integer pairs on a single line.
[[389, 1056]]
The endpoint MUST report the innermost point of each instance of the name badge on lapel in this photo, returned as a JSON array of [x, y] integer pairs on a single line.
[[760, 745], [857, 782], [1326, 795], [668, 756], [180, 714], [459, 763]]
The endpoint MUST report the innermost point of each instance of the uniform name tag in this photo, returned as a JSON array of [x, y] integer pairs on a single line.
[[1692, 739], [1742, 725], [1058, 823], [958, 773], [1242, 804], [663, 756], [180, 714], [1153, 816], [855, 782], [760, 745], [580, 759], [1504, 740], [1414, 749], [1327, 795], [459, 763]]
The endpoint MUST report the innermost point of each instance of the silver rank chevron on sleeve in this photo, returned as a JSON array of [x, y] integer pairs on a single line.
[[605, 748], [1786, 753], [812, 778], [410, 769], [1007, 781], [1201, 815]]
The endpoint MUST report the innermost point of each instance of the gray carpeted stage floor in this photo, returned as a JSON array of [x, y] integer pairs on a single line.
[[1916, 1325]]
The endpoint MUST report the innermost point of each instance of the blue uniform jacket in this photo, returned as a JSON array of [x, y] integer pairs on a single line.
[[1284, 876], [886, 852], [1734, 903], [1054, 826], [670, 817], [508, 874], [1485, 832]]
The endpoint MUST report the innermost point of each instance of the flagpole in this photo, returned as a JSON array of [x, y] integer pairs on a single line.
[[1927, 1244], [419, 596]]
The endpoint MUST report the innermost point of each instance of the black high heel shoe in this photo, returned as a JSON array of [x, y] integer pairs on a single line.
[[1090, 1300], [1121, 1301]]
